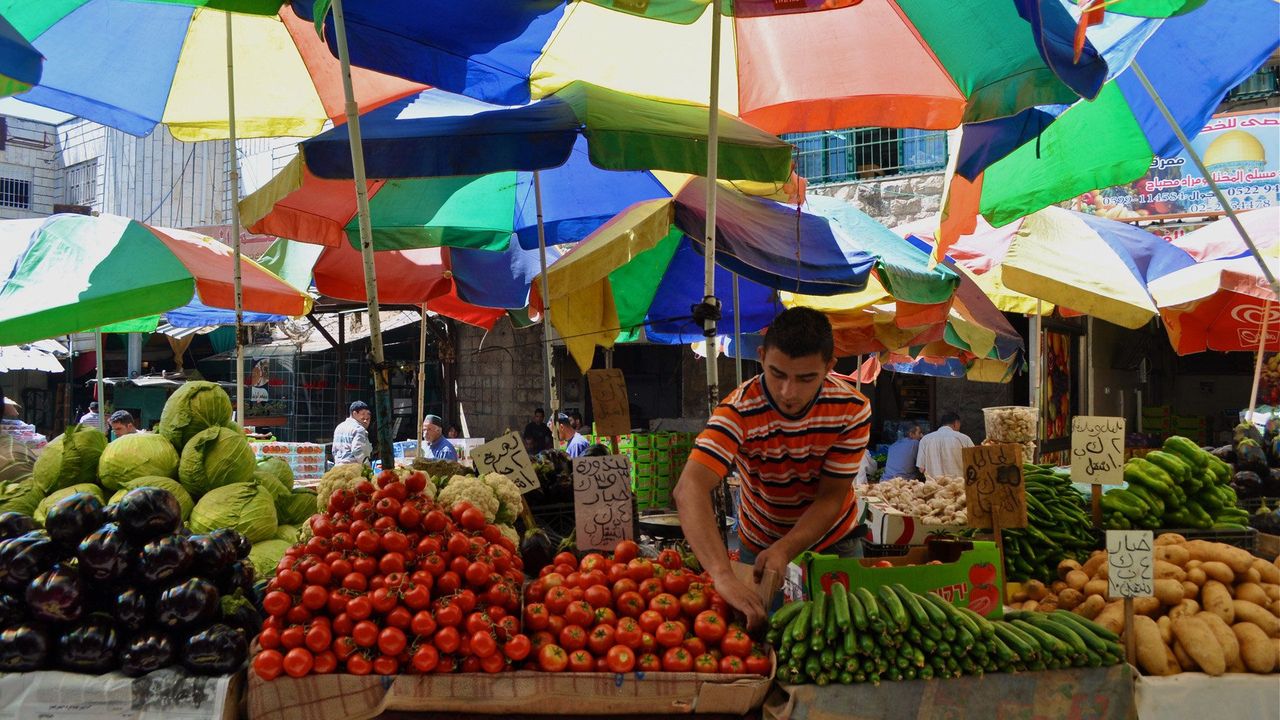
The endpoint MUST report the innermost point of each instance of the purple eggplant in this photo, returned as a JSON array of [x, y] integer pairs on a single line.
[[147, 513], [218, 650], [104, 555], [89, 647], [191, 604], [55, 595], [73, 517], [129, 608], [12, 610], [13, 524], [109, 512], [163, 561], [24, 557], [145, 653], [237, 576], [213, 555], [23, 648], [239, 543]]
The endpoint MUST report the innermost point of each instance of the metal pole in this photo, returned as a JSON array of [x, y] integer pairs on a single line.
[[422, 377], [235, 221], [1213, 185], [102, 395], [737, 333], [709, 249], [1034, 342], [546, 300], [858, 373], [1257, 364], [381, 393], [1088, 349]]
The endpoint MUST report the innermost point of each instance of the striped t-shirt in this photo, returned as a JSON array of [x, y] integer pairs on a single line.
[[780, 458]]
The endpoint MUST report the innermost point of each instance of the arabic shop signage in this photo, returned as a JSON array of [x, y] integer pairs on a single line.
[[1241, 152]]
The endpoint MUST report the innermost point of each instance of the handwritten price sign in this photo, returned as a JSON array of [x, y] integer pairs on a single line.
[[603, 506], [507, 455], [994, 489], [1130, 563], [609, 403], [1097, 450]]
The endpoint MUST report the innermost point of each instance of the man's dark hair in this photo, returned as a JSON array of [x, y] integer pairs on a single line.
[[93, 406], [949, 417], [799, 332], [562, 419], [539, 411], [574, 414], [121, 416], [357, 406]]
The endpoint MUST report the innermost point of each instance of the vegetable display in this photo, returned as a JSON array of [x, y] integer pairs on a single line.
[[1180, 486], [121, 587], [1216, 607], [1058, 526], [936, 501], [892, 633]]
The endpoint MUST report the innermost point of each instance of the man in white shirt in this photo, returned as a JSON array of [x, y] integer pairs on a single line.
[[940, 450], [92, 417], [351, 437]]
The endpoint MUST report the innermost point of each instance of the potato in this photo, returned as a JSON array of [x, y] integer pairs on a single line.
[[1095, 587], [1270, 573], [1102, 573], [1169, 570], [1234, 558], [1226, 638], [1252, 592], [1066, 566], [1197, 576], [1076, 580], [1184, 608], [1256, 651], [1019, 596], [1112, 616], [1147, 606], [1192, 564], [1166, 629], [1219, 571], [1091, 606], [1190, 590], [1217, 600], [1253, 576], [1151, 657], [1246, 611], [1272, 590], [1057, 587], [1183, 659], [1035, 589], [1174, 666], [1170, 539], [1030, 605], [1198, 640], [1070, 599], [1168, 591], [1175, 554], [1095, 561]]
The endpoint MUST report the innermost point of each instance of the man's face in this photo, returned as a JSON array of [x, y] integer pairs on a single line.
[[539, 417], [793, 382], [915, 433], [121, 429], [566, 431], [430, 431], [363, 416]]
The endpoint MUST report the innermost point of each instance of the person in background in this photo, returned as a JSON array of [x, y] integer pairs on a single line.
[[901, 459], [92, 417], [351, 437], [539, 416], [122, 423], [537, 436], [437, 446], [867, 470], [575, 418], [939, 453], [574, 444], [454, 432]]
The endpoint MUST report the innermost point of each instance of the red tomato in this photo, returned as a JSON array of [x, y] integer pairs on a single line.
[[383, 600], [535, 616], [639, 569], [565, 558], [670, 559], [710, 626], [555, 624], [365, 633], [385, 665], [416, 597], [448, 583], [422, 623], [649, 662], [298, 662], [579, 612], [315, 597], [600, 640], [706, 663], [696, 646], [426, 658], [435, 521], [650, 620], [508, 627], [470, 663], [606, 616], [552, 579], [269, 638], [447, 639], [676, 581], [318, 574], [466, 600], [650, 588], [670, 634], [276, 603], [536, 591], [517, 648], [621, 659], [693, 602], [677, 659], [595, 577], [625, 551], [558, 598], [666, 605], [472, 519], [540, 638], [292, 637], [623, 585], [432, 563], [648, 644], [573, 637], [392, 562], [573, 579], [581, 661], [592, 561], [736, 642], [483, 644], [757, 663], [391, 641], [494, 663], [477, 622], [616, 572], [630, 604], [552, 658], [628, 632], [459, 565], [318, 638], [449, 615], [359, 607], [732, 665], [268, 664], [478, 573], [598, 596], [359, 665]]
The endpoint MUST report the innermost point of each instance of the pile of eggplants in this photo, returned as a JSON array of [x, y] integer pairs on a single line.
[[124, 587]]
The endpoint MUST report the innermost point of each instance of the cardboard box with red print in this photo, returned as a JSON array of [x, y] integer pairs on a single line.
[[887, 526], [962, 572]]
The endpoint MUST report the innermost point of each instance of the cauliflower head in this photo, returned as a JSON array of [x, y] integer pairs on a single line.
[[509, 533], [341, 476], [509, 499], [469, 488]]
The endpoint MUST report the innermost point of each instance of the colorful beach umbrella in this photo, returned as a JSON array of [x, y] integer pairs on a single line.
[[1048, 155], [785, 67], [167, 65], [20, 63], [70, 273]]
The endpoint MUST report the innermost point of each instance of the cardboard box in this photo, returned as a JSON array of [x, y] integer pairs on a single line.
[[355, 697], [969, 575], [165, 693], [887, 526]]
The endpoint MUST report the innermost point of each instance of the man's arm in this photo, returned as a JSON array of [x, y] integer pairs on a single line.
[[362, 447], [809, 529]]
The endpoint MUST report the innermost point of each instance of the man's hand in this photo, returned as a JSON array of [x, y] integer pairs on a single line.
[[743, 598], [772, 558]]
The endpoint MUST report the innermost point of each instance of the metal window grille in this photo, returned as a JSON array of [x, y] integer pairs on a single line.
[[82, 183], [1262, 84], [858, 154], [15, 193]]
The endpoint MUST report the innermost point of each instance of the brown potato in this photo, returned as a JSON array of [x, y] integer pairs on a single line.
[[1035, 589], [1169, 570], [1095, 561], [1019, 596], [1184, 608], [1166, 629], [1077, 579], [1175, 554], [1168, 591], [1192, 564], [1170, 539], [1219, 571], [1057, 587], [1067, 566], [1197, 576], [1048, 604], [1147, 606], [1198, 640], [1095, 586], [1252, 575], [1256, 650], [1183, 659], [1252, 592], [1272, 590], [1112, 616], [1218, 601], [1151, 648], [1190, 590], [1246, 611], [1030, 605], [1174, 667], [1091, 606], [1270, 573], [1234, 558], [1069, 599], [1226, 638]]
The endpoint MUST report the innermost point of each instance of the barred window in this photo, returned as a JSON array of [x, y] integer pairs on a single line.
[[865, 153], [15, 193], [82, 183]]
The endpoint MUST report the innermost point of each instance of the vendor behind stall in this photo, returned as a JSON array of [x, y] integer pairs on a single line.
[[436, 445], [795, 435], [351, 437]]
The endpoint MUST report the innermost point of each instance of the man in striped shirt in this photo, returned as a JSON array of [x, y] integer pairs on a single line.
[[795, 435]]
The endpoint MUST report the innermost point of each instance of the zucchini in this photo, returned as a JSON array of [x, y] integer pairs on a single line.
[[965, 640], [1052, 646], [1089, 625], [867, 646], [897, 614], [872, 608], [911, 603], [840, 607], [1015, 642], [983, 626], [818, 618], [937, 617], [785, 614], [1061, 631], [857, 613], [799, 628]]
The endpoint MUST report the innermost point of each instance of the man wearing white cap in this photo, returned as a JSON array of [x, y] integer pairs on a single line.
[[437, 445]]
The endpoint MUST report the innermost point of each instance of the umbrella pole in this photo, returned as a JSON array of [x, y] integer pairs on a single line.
[[737, 333], [1213, 185], [709, 249], [422, 378], [1257, 363], [101, 387], [381, 393], [546, 300], [1036, 358], [235, 222]]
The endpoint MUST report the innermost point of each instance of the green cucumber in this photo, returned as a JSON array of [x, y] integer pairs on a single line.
[[1068, 619], [818, 618], [799, 628], [1061, 631], [857, 613], [1050, 645], [872, 608], [1023, 647], [785, 614], [897, 614], [984, 626], [937, 617], [840, 606]]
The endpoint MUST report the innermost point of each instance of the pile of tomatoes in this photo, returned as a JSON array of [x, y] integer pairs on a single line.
[[625, 613], [389, 584]]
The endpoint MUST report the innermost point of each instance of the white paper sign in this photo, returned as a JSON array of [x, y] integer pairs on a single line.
[[1097, 450], [507, 455], [167, 694], [603, 506], [1130, 563]]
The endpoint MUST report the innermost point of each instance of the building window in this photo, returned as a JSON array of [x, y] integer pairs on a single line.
[[15, 193], [866, 153], [82, 183], [1263, 84]]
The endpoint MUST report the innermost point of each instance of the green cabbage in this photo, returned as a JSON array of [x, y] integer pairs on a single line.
[[194, 407], [242, 506], [42, 509], [215, 457], [134, 456], [266, 555], [17, 460], [288, 533], [21, 497], [270, 483], [279, 469], [71, 458], [171, 486], [297, 507]]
